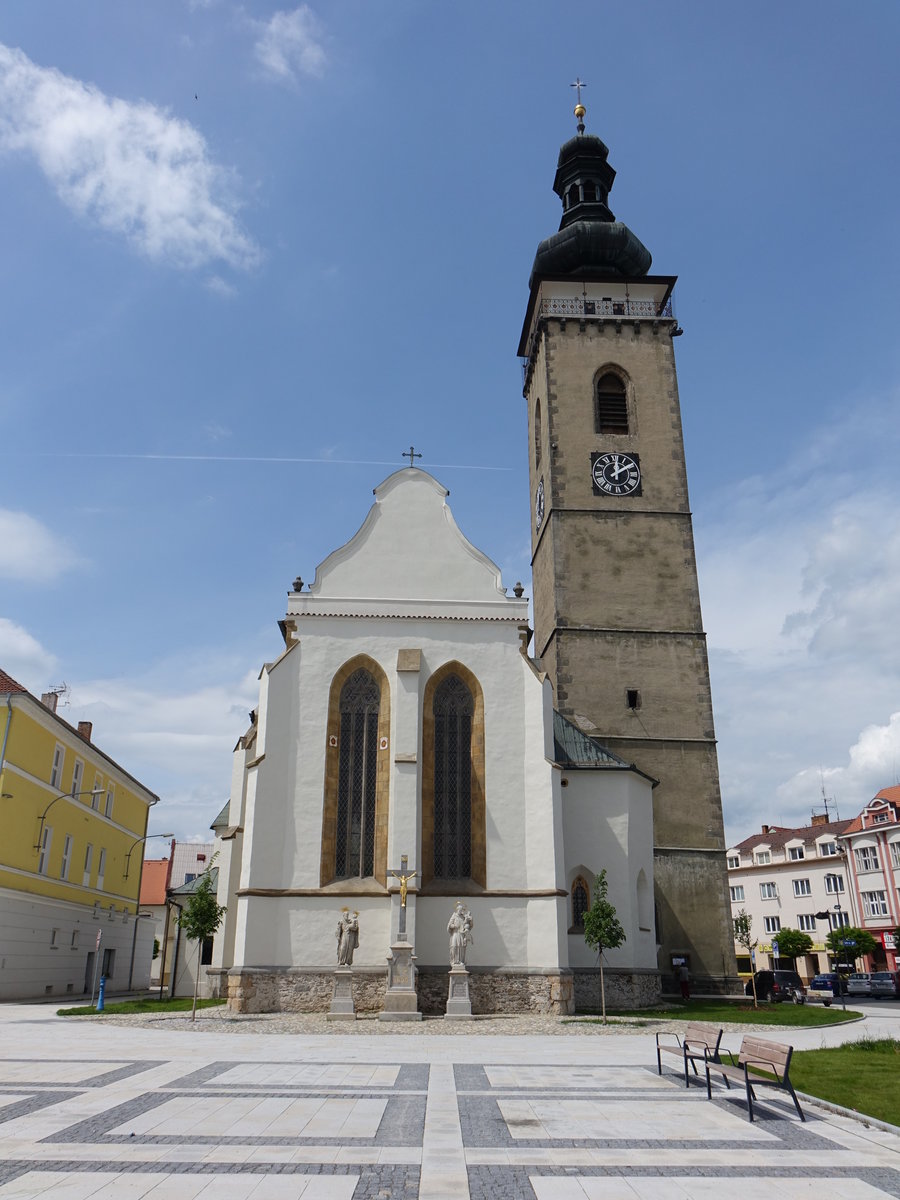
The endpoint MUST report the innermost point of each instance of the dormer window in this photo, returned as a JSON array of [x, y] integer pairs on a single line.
[[795, 853], [763, 857]]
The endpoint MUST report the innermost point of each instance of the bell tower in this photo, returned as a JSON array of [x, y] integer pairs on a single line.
[[616, 602]]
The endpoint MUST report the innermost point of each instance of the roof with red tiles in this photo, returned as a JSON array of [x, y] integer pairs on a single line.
[[154, 880], [778, 836], [8, 685], [888, 798]]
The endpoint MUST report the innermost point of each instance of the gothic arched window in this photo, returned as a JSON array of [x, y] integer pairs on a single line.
[[357, 768], [612, 404], [453, 712], [581, 902]]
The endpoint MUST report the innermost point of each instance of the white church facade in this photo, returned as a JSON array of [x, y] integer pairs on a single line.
[[404, 716]]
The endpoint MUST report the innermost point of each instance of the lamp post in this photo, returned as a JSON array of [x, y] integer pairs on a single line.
[[142, 839], [62, 796]]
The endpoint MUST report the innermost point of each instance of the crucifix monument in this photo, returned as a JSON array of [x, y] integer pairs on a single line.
[[401, 1002]]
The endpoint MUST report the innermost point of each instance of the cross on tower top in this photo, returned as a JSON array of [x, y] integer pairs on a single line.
[[578, 85], [579, 107], [410, 454]]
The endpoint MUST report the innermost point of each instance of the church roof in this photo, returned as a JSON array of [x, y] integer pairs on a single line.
[[572, 748], [188, 889]]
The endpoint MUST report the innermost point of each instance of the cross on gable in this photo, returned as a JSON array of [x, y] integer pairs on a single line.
[[410, 454]]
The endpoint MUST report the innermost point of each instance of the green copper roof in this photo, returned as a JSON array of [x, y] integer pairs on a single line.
[[573, 748], [590, 242]]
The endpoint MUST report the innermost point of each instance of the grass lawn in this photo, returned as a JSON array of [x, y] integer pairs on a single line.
[[183, 1004], [860, 1075], [737, 1012]]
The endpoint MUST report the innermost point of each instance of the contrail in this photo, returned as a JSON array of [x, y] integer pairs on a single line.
[[250, 458]]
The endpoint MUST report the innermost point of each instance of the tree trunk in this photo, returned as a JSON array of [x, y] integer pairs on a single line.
[[602, 988], [196, 980]]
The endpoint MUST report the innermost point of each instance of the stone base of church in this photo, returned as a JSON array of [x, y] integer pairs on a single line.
[[624, 988], [283, 989], [500, 991]]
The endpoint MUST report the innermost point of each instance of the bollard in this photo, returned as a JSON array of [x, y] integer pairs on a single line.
[[101, 993]]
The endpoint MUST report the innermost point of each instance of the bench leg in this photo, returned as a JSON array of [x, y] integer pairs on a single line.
[[749, 1101], [687, 1082], [790, 1088], [658, 1061]]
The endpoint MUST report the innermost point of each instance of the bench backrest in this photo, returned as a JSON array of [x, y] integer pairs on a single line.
[[698, 1035], [768, 1056]]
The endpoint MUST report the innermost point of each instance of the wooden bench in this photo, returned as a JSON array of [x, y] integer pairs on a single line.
[[755, 1052], [698, 1043]]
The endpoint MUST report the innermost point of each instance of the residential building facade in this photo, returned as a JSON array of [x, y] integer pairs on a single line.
[[73, 824], [873, 843], [782, 877]]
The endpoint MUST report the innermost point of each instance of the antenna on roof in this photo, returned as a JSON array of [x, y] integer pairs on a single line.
[[62, 691]]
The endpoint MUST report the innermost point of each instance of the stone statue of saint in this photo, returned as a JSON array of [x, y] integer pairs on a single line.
[[460, 929], [347, 936]]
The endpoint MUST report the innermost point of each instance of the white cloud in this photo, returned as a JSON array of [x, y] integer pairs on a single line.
[[130, 167], [29, 552], [289, 44], [800, 583], [24, 658], [221, 287]]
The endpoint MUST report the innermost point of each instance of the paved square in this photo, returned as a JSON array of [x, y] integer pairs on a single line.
[[99, 1111]]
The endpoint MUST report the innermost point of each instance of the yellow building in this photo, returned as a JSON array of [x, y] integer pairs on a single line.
[[72, 824]]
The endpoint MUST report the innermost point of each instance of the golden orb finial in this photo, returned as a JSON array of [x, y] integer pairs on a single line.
[[579, 111]]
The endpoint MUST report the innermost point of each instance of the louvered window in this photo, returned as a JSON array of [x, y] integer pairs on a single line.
[[453, 710], [612, 405], [357, 763]]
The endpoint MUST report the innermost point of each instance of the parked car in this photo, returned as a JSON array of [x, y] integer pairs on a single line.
[[825, 987], [859, 984], [886, 983], [777, 986]]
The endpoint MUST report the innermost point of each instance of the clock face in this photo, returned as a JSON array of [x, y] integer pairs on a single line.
[[539, 505], [616, 474]]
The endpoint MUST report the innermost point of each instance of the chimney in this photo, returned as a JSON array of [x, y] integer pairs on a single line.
[[765, 829], [85, 728], [50, 700], [819, 819]]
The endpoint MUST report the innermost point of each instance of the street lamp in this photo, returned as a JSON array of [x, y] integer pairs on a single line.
[[142, 839], [62, 796]]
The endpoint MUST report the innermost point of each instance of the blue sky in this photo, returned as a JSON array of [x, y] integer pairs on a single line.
[[233, 234]]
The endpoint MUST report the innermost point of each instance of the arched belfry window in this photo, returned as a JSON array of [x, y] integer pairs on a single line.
[[453, 712], [537, 433], [611, 404], [590, 190], [357, 774], [453, 808], [581, 901]]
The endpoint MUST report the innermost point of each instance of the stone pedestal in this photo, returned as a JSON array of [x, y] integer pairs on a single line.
[[401, 1002], [342, 1000], [459, 1006]]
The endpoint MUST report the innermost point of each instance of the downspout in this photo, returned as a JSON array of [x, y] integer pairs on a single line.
[[9, 713]]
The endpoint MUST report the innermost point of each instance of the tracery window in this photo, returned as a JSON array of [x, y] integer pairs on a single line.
[[581, 902], [612, 404], [357, 770], [453, 711]]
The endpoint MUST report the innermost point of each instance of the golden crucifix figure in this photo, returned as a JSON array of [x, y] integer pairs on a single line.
[[404, 875]]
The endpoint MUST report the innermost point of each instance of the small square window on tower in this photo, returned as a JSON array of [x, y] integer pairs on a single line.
[[633, 698]]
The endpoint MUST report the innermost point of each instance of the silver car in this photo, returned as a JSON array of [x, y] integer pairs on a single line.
[[859, 984], [885, 983]]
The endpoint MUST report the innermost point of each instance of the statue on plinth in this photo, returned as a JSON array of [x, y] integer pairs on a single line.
[[460, 929], [347, 936]]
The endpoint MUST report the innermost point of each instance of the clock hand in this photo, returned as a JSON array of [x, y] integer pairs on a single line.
[[618, 470]]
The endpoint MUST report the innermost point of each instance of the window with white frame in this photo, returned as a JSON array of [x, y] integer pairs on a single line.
[[101, 867], [866, 858], [802, 887], [768, 891], [834, 884], [773, 924], [737, 893], [734, 861], [88, 858], [875, 904], [839, 919], [66, 857], [795, 853], [44, 854], [881, 819], [59, 758], [95, 797], [763, 857], [806, 922], [77, 775], [110, 796], [827, 849], [895, 853]]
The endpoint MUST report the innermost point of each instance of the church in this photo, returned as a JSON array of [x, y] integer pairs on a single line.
[[415, 725]]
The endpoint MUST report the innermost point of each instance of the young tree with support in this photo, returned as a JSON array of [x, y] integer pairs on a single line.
[[602, 930], [743, 935], [199, 919]]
